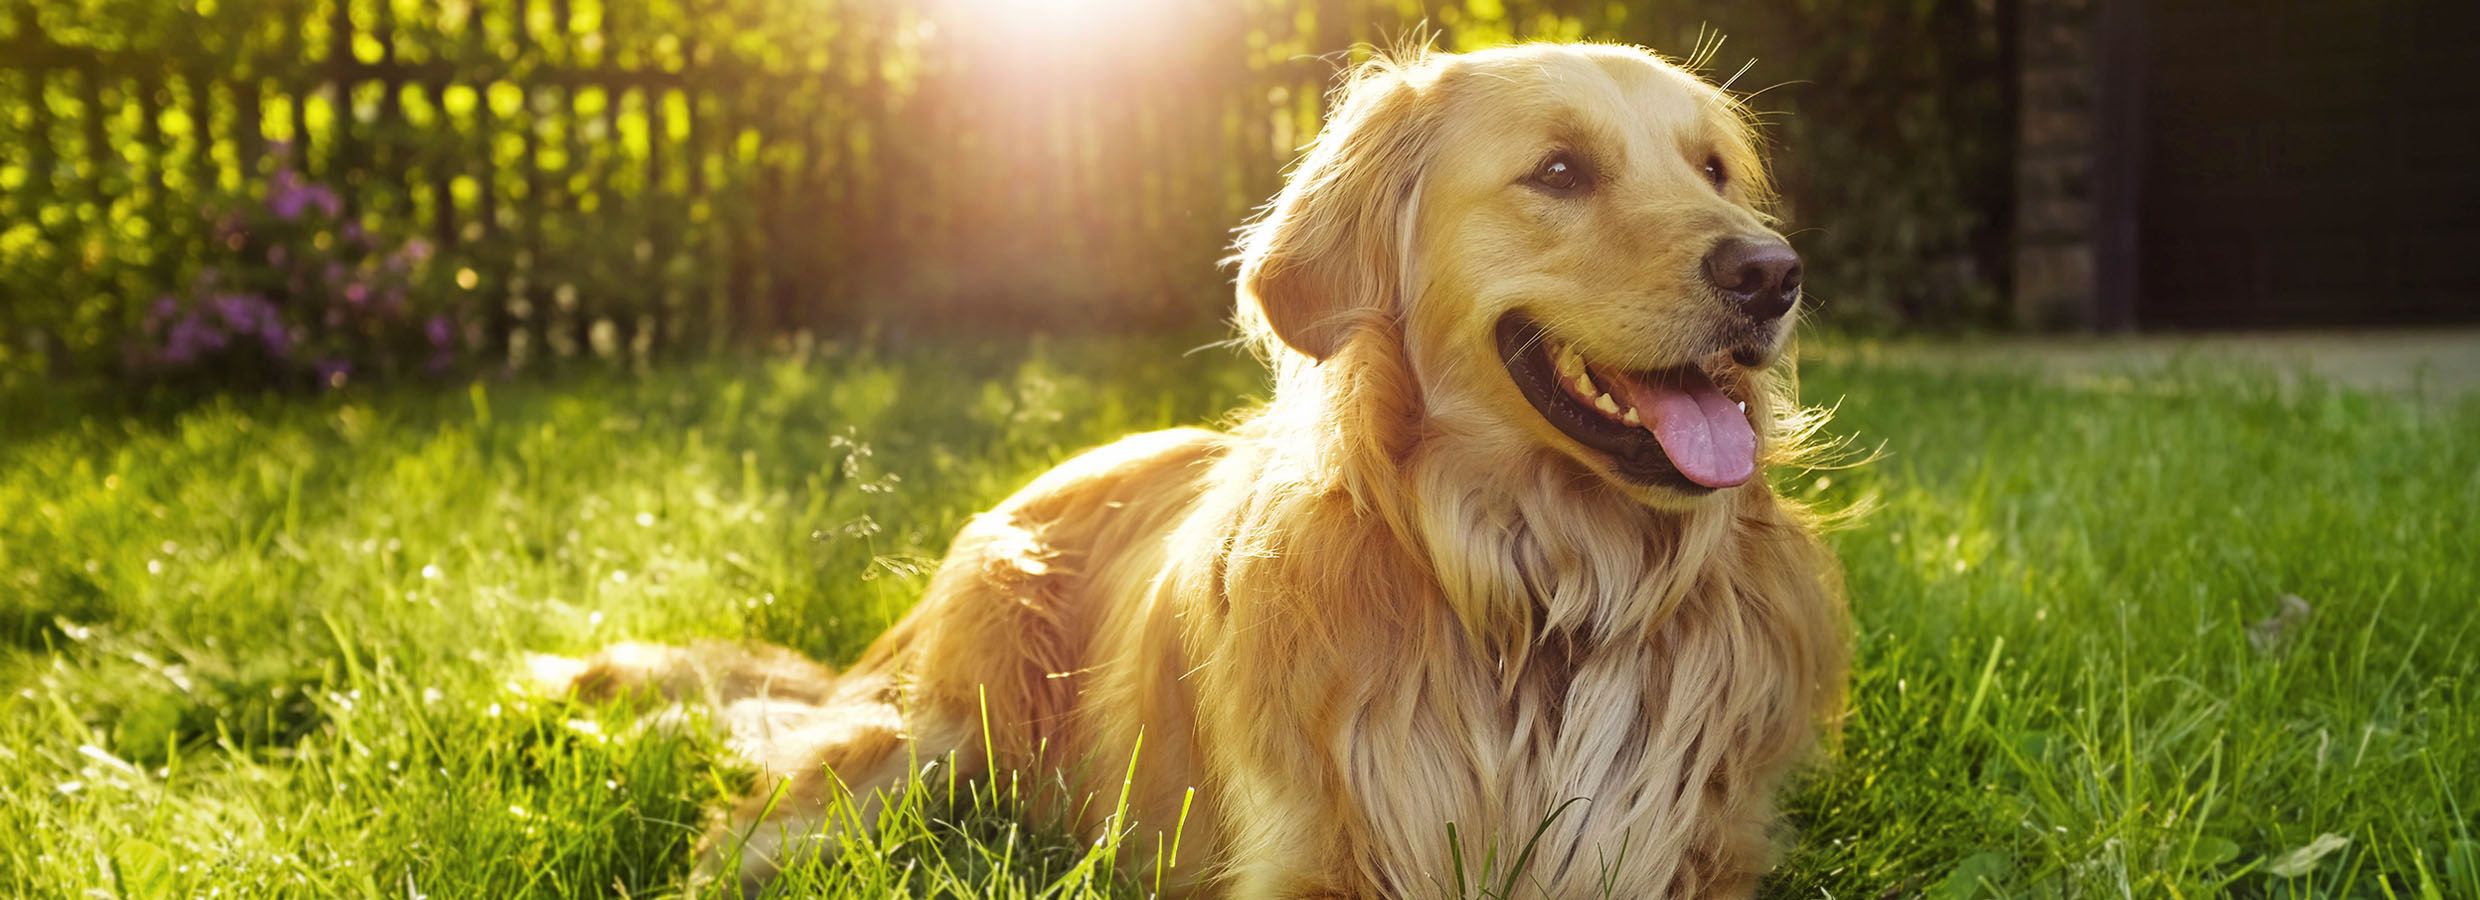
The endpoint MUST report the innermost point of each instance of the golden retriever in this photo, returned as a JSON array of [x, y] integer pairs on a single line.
[[1495, 556]]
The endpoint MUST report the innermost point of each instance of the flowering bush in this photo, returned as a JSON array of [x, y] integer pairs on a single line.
[[298, 291]]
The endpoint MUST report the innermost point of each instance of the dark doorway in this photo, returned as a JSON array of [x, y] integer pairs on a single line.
[[2309, 162]]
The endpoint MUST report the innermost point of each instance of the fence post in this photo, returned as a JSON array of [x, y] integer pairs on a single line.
[[660, 225], [249, 111], [297, 81], [99, 153], [387, 155], [44, 159], [205, 174], [345, 163], [161, 265], [530, 157]]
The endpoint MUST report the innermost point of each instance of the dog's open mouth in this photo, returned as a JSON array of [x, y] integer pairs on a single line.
[[1672, 427]]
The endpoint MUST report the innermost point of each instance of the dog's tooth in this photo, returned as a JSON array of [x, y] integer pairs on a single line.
[[1570, 363], [1606, 405], [1743, 406], [1631, 418], [1584, 385]]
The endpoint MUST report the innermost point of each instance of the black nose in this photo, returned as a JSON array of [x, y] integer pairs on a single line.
[[1762, 275]]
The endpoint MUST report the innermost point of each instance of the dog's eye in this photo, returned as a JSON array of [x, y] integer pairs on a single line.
[[1715, 174], [1561, 174]]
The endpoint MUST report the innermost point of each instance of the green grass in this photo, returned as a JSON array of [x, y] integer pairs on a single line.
[[264, 646]]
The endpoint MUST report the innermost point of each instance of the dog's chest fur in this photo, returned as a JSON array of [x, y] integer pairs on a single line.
[[1603, 705], [1619, 707]]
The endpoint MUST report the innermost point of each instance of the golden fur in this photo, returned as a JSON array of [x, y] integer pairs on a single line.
[[1394, 598]]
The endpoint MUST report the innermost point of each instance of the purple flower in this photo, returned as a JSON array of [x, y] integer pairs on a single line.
[[287, 197], [413, 253], [231, 309], [441, 332], [191, 338], [352, 231], [333, 372], [165, 308], [357, 293], [243, 313], [326, 200], [278, 340]]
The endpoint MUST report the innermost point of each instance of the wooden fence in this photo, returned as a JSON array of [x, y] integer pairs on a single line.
[[675, 173], [668, 171]]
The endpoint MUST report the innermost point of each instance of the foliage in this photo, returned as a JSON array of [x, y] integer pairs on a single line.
[[1894, 135], [262, 644]]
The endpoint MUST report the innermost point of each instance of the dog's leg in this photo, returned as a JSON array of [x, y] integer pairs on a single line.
[[815, 738], [712, 673], [858, 754], [980, 659]]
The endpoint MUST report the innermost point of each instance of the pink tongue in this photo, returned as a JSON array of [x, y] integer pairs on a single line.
[[1704, 433]]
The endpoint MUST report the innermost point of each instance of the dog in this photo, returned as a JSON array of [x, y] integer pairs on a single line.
[[1493, 568]]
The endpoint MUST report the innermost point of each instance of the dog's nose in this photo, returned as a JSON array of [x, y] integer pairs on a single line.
[[1762, 275]]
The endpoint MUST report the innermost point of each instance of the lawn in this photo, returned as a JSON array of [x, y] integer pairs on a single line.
[[266, 646]]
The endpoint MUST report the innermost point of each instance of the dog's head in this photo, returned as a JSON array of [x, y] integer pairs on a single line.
[[1569, 243]]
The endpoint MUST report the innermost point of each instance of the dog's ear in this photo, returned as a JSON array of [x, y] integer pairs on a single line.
[[1329, 254]]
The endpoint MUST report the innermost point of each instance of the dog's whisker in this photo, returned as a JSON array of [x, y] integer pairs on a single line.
[[1735, 76]]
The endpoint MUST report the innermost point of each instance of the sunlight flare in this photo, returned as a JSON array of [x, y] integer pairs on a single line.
[[1072, 22]]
